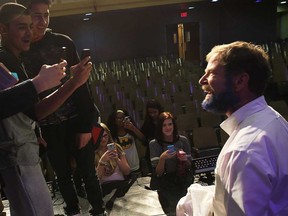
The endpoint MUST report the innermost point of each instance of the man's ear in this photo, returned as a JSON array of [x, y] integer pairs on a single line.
[[241, 81]]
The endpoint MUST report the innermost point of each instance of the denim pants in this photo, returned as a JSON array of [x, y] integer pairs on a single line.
[[27, 191], [60, 147]]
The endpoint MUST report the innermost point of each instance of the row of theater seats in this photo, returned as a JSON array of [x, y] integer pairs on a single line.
[[174, 83], [278, 54], [129, 84]]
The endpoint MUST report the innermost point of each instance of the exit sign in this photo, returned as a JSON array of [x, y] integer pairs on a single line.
[[184, 14]]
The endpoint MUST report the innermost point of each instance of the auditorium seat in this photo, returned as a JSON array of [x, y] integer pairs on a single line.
[[205, 141]]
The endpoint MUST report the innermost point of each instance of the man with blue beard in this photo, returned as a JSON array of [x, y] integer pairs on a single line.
[[251, 172]]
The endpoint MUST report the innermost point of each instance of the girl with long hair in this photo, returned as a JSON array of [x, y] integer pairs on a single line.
[[124, 132], [112, 167], [171, 160]]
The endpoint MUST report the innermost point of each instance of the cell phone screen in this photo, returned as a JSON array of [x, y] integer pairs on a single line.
[[85, 53], [6, 78], [111, 146], [171, 148]]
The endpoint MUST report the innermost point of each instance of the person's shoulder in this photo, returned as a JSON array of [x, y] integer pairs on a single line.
[[57, 35], [153, 142], [183, 138]]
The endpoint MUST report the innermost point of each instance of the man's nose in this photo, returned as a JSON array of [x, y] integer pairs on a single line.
[[202, 80]]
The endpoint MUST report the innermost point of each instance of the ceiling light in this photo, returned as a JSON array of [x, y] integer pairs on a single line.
[[88, 14], [283, 2], [191, 7]]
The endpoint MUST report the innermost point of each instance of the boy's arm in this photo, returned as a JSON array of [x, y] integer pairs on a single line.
[[25, 94], [52, 102]]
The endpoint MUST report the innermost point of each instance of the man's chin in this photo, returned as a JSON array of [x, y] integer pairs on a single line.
[[209, 106]]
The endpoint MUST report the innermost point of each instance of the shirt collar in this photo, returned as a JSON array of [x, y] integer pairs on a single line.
[[233, 121]]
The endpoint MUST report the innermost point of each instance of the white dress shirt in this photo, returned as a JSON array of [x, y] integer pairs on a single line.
[[252, 168]]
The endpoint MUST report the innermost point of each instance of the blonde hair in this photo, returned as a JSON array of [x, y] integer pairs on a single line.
[[104, 126]]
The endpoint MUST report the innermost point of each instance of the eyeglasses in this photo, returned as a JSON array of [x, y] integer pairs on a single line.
[[120, 118]]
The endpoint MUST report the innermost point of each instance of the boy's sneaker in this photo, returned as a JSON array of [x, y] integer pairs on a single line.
[[72, 213], [91, 211]]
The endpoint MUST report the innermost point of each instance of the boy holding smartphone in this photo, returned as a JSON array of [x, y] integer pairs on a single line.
[[19, 152], [68, 130]]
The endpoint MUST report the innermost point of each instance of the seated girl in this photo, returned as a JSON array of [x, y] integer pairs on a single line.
[[124, 132], [111, 165], [171, 161]]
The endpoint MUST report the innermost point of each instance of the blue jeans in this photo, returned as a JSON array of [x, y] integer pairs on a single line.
[[27, 191]]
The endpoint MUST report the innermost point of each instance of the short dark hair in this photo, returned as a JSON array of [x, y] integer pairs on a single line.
[[10, 10], [240, 56], [28, 3]]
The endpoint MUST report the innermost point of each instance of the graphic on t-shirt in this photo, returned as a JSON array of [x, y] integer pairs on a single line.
[[125, 142]]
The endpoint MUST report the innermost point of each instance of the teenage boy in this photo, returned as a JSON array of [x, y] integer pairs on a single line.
[[24, 184]]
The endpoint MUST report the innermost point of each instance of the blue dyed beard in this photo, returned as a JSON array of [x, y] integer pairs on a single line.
[[220, 103]]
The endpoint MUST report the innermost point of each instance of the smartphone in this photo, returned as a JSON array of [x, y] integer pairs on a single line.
[[171, 149], [7, 79], [85, 53], [111, 146], [126, 118], [63, 54]]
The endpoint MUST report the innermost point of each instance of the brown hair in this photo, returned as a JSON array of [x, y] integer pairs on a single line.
[[10, 10], [28, 3], [159, 133], [239, 57]]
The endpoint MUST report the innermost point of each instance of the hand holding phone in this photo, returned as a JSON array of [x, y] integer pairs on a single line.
[[85, 53], [171, 149], [126, 119]]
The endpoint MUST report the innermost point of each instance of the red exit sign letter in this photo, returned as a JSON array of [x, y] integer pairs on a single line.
[[184, 14]]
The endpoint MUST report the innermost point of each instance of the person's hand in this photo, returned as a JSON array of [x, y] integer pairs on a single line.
[[166, 154], [49, 76], [128, 125], [108, 155], [181, 155], [82, 139], [81, 71]]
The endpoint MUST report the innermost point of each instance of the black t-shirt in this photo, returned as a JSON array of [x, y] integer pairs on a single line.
[[49, 51]]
